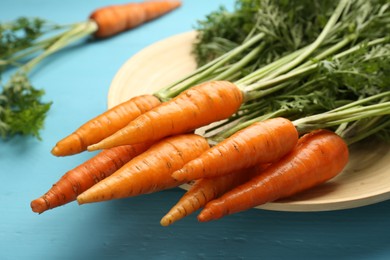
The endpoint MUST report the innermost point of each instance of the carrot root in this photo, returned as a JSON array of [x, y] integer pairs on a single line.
[[203, 191], [149, 172], [198, 106], [104, 125], [114, 19], [85, 176], [318, 157], [261, 143]]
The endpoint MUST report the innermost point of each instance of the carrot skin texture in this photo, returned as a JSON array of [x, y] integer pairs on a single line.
[[84, 176], [203, 191], [104, 125], [150, 171], [260, 143], [198, 106], [318, 157], [114, 19]]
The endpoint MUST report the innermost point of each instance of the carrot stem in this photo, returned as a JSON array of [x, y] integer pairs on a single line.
[[364, 132], [78, 31], [350, 112], [307, 67], [240, 64], [174, 89], [311, 48], [261, 72]]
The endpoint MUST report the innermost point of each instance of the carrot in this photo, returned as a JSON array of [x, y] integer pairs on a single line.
[[203, 191], [104, 125], [262, 142], [150, 171], [118, 18], [195, 107], [111, 20], [84, 176], [318, 157]]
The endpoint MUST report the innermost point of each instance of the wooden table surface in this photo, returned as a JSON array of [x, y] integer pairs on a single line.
[[76, 80]]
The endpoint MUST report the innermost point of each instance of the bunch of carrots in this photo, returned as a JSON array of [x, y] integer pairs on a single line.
[[148, 143]]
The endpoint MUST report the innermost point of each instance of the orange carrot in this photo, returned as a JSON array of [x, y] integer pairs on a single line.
[[198, 106], [111, 20], [104, 125], [150, 171], [203, 191], [85, 176], [318, 157], [118, 18], [261, 142]]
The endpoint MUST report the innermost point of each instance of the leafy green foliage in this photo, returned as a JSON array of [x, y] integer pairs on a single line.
[[336, 82], [289, 25], [24, 43], [21, 109], [351, 63], [19, 35], [360, 75]]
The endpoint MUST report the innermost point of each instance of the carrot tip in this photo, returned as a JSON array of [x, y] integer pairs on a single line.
[[93, 147], [55, 151], [86, 197], [165, 222], [39, 205], [205, 215], [80, 200], [179, 176]]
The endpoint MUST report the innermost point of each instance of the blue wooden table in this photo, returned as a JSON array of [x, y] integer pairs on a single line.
[[76, 80]]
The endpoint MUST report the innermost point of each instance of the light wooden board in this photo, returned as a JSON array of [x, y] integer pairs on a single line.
[[364, 181]]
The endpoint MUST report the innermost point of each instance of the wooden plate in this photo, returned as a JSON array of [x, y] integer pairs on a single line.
[[365, 180]]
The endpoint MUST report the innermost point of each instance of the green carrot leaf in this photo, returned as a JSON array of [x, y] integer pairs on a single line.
[[21, 109]]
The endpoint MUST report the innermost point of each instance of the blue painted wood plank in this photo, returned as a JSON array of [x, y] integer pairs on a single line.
[[77, 81]]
